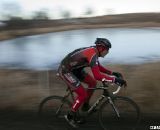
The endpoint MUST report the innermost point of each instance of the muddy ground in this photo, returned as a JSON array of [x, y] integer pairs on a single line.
[[22, 90]]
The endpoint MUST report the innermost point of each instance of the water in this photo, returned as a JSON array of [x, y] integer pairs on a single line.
[[129, 46]]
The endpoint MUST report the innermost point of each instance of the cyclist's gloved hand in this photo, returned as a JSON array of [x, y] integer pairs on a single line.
[[120, 82], [117, 74]]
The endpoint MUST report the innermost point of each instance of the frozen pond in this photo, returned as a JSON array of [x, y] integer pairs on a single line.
[[129, 46]]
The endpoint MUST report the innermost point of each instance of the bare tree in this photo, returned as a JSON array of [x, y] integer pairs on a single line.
[[89, 11], [41, 14], [65, 14]]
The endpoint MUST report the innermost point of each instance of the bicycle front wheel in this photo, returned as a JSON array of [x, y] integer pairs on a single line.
[[52, 110], [123, 114]]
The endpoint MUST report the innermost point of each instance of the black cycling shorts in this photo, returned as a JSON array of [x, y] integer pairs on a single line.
[[79, 73]]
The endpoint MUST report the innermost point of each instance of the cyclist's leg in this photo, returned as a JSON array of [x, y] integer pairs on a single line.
[[81, 98], [85, 77], [91, 82], [77, 87]]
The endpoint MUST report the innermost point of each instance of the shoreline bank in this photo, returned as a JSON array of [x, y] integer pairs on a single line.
[[11, 34], [19, 28]]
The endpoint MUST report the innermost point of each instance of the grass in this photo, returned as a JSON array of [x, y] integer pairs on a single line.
[[24, 89]]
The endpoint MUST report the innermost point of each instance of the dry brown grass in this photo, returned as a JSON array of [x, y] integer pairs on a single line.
[[22, 89], [143, 85]]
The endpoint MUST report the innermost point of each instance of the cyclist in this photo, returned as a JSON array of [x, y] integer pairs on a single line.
[[72, 72]]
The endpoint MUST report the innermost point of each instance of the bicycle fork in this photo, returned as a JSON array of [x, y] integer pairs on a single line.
[[114, 107]]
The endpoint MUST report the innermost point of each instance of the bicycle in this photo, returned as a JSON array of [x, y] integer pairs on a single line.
[[114, 112]]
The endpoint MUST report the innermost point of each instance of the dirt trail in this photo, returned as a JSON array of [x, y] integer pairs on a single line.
[[28, 120], [22, 90]]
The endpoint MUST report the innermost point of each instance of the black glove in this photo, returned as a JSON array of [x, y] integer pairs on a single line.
[[117, 74], [120, 82]]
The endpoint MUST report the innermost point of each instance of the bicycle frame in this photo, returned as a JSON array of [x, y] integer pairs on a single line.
[[106, 103], [69, 92], [106, 95], [94, 106]]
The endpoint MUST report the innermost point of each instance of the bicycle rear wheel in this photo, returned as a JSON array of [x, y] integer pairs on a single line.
[[125, 115], [52, 110]]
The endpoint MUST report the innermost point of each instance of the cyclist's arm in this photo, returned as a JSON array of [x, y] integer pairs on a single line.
[[104, 70], [99, 76], [94, 64]]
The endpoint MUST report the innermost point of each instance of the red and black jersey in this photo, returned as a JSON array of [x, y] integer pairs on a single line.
[[82, 57], [86, 57]]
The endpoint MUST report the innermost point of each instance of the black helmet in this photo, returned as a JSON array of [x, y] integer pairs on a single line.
[[104, 42]]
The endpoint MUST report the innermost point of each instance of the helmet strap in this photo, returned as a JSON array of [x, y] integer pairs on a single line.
[[100, 49]]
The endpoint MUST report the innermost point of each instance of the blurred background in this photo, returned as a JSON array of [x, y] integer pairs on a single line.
[[35, 35]]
